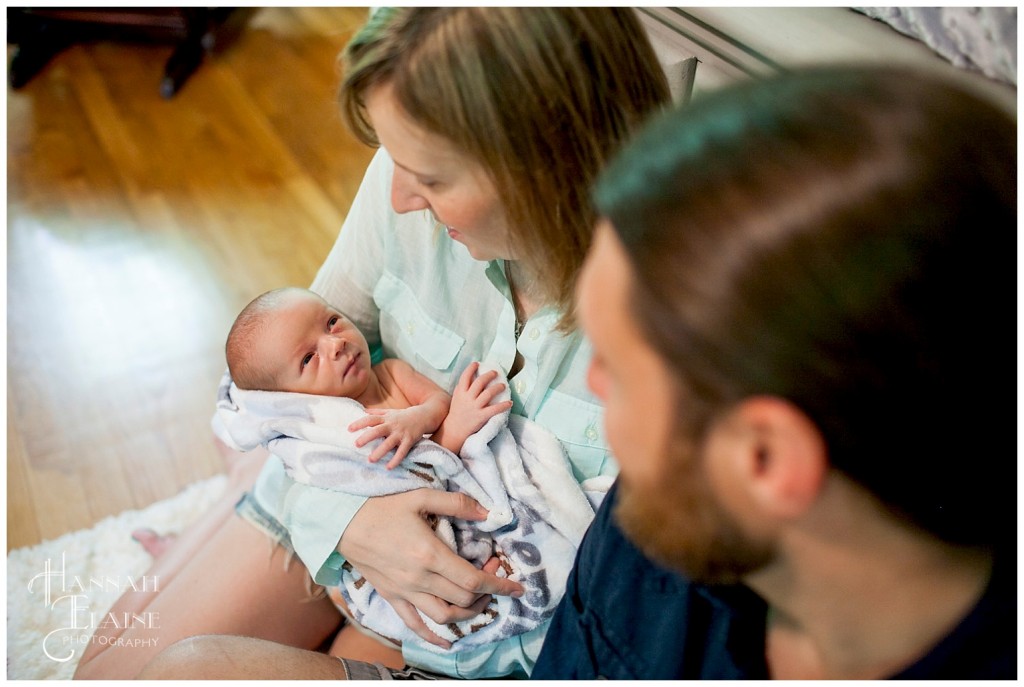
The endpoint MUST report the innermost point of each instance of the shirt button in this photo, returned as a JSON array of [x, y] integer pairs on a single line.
[[591, 434], [534, 334], [411, 328], [518, 384]]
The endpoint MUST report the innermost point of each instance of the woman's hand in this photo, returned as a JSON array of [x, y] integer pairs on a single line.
[[391, 544]]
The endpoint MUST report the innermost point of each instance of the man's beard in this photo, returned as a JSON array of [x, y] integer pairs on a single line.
[[677, 522]]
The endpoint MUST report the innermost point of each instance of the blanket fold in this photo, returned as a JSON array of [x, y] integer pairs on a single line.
[[513, 467]]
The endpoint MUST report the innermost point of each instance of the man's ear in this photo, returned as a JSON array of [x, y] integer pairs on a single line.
[[783, 462]]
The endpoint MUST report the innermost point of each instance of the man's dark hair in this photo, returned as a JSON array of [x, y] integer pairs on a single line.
[[843, 238]]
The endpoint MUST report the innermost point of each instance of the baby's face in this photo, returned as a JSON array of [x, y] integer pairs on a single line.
[[314, 349]]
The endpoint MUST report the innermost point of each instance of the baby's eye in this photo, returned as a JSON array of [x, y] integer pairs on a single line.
[[306, 359], [333, 321]]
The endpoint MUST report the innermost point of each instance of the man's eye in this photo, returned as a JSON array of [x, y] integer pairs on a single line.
[[306, 359]]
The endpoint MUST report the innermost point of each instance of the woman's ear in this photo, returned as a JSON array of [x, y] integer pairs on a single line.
[[779, 461]]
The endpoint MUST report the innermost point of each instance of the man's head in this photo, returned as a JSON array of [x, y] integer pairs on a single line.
[[815, 265], [291, 339]]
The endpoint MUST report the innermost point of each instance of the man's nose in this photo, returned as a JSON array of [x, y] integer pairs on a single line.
[[404, 197]]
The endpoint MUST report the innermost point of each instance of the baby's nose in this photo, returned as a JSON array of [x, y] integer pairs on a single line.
[[331, 346]]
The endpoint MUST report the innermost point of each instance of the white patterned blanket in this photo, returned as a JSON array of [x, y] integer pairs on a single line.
[[513, 467]]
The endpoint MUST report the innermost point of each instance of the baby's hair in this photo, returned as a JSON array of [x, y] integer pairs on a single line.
[[246, 371]]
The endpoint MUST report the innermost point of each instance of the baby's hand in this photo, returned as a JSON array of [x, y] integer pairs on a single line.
[[398, 430], [471, 402]]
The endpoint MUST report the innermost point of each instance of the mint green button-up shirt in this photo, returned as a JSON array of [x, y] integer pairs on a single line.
[[418, 295]]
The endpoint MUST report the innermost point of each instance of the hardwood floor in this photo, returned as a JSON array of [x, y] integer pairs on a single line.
[[137, 227]]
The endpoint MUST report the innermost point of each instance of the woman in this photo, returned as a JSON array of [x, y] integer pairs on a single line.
[[462, 244]]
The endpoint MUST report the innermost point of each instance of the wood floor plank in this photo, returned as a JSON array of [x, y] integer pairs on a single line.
[[22, 525], [137, 227]]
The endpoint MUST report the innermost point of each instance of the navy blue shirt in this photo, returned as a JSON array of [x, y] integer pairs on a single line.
[[625, 617]]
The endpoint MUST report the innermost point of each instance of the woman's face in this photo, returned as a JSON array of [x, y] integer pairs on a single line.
[[431, 174]]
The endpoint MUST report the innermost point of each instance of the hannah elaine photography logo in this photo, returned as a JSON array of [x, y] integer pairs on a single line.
[[68, 598]]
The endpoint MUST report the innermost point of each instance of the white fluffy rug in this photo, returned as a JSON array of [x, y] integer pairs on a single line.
[[83, 573]]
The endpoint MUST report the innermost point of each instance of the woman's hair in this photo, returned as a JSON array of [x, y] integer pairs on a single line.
[[540, 97], [845, 239]]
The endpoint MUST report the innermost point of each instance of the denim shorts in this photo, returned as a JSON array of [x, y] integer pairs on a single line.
[[249, 509]]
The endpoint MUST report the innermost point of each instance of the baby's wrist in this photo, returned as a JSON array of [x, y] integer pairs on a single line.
[[452, 438]]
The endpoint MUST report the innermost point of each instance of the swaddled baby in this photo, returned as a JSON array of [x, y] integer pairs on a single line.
[[291, 339]]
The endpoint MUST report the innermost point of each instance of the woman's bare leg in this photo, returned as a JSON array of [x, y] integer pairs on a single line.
[[351, 643], [242, 470], [230, 587], [240, 658], [218, 577], [354, 642], [241, 476]]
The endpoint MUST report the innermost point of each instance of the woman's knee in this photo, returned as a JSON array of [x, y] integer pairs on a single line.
[[192, 658], [221, 657]]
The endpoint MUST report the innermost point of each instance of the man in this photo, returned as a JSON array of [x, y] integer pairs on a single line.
[[813, 416]]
